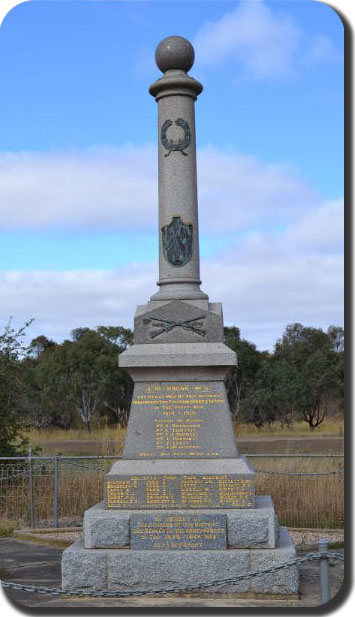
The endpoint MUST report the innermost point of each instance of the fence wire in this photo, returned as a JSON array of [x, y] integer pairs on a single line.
[[308, 491]]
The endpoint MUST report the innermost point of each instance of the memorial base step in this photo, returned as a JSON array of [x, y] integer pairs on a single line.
[[220, 528], [180, 483], [85, 569]]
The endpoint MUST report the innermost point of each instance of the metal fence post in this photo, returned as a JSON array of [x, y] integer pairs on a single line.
[[56, 482], [31, 486], [324, 573]]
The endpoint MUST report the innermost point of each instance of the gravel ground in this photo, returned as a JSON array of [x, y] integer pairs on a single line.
[[309, 538]]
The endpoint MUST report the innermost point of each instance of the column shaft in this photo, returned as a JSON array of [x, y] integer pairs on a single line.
[[179, 259]]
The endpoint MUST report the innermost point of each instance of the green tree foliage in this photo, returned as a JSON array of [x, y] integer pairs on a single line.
[[240, 382], [121, 337], [12, 349], [260, 401], [78, 333], [301, 379], [336, 337], [39, 345], [311, 365], [119, 391], [83, 376], [50, 384], [78, 378]]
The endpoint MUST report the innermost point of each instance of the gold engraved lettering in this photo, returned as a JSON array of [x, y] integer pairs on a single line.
[[179, 532], [207, 491]]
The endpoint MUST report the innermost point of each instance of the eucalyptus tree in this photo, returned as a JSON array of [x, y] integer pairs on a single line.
[[82, 377], [311, 364], [240, 382], [12, 425]]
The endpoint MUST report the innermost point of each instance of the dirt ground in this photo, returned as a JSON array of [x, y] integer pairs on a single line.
[[27, 562], [291, 445]]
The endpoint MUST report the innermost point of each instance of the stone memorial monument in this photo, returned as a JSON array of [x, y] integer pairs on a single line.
[[180, 505]]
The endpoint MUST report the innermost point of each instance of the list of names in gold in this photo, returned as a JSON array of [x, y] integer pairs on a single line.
[[181, 415], [180, 491]]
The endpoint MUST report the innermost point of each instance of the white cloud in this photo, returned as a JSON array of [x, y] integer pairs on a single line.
[[263, 41], [92, 188], [263, 297], [269, 280], [61, 301], [102, 187], [238, 190], [322, 229], [264, 282]]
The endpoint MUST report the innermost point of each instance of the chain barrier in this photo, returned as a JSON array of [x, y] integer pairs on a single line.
[[314, 556]]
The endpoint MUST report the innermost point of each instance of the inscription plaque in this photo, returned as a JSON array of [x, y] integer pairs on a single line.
[[179, 419], [178, 531], [171, 492]]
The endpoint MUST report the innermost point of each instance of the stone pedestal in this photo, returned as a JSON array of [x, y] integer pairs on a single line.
[[147, 568], [180, 506]]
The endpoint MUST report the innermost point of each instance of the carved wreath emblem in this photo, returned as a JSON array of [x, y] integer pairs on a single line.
[[179, 145]]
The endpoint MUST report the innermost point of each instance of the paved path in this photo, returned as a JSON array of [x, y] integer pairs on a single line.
[[27, 562]]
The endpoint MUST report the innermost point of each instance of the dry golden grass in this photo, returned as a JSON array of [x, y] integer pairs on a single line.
[[104, 441], [332, 427], [108, 434], [7, 526], [303, 500], [40, 436], [300, 501]]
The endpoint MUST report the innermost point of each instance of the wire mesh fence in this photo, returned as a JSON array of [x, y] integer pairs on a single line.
[[307, 490]]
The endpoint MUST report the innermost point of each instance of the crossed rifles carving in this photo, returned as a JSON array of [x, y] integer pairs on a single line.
[[166, 325]]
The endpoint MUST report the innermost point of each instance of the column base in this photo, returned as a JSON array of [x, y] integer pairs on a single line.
[[237, 528], [131, 570]]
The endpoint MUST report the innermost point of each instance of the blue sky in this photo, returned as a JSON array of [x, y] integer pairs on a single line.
[[78, 174]]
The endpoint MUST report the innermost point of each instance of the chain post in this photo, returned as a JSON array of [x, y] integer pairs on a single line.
[[56, 484], [324, 578], [31, 486]]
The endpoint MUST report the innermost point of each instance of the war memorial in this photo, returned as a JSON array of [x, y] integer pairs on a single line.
[[180, 505]]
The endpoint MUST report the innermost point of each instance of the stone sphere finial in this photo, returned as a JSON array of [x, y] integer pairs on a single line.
[[174, 52]]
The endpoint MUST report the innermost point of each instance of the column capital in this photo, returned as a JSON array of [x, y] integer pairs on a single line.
[[174, 57], [175, 82]]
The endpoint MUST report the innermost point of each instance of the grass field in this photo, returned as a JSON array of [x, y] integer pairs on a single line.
[[300, 500], [331, 427], [110, 440]]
